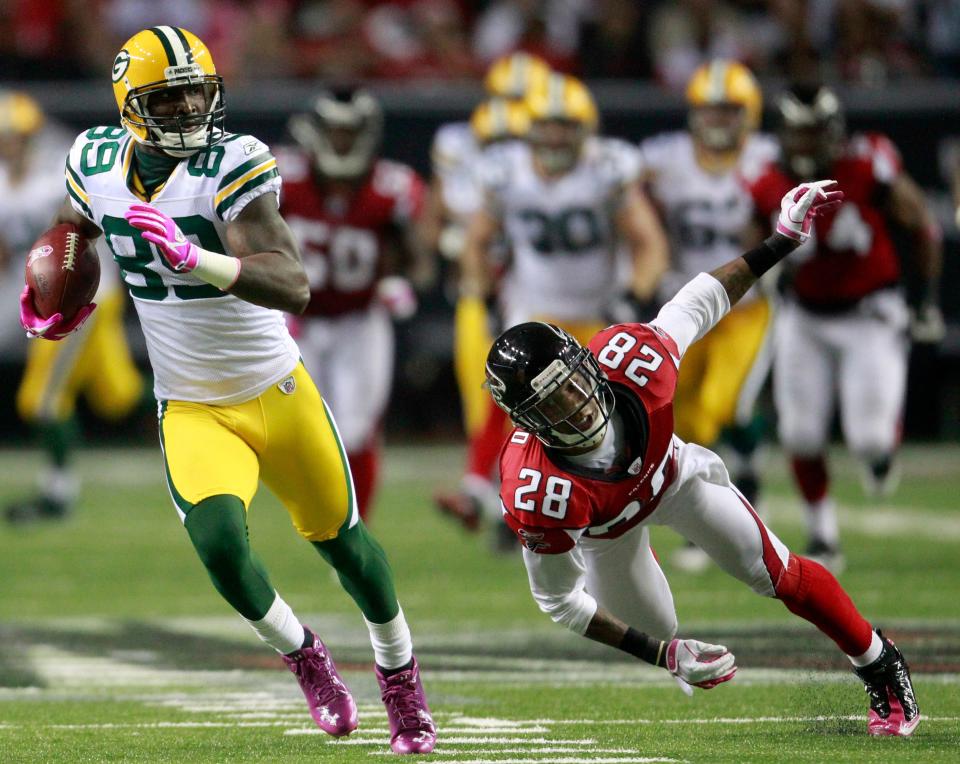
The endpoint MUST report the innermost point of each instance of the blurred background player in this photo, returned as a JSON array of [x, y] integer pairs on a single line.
[[457, 155], [455, 195], [354, 216], [841, 336], [693, 177], [569, 205], [94, 362]]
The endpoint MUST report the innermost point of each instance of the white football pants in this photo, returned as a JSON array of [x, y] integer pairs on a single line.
[[350, 358], [703, 506], [859, 357]]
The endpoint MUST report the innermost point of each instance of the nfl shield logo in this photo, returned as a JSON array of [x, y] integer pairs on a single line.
[[288, 385]]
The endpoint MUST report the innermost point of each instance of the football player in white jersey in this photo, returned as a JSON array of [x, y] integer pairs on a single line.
[[454, 196], [190, 213], [96, 362], [694, 178], [567, 202]]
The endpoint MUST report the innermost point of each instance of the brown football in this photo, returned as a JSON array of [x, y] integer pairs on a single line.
[[63, 271]]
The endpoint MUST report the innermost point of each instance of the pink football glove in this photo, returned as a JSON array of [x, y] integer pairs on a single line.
[[158, 228], [700, 664], [53, 328], [802, 204]]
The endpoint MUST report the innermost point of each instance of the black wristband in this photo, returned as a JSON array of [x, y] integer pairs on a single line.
[[768, 254], [644, 647]]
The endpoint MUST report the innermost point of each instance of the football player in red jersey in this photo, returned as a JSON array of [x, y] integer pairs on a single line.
[[594, 461], [841, 334], [355, 218]]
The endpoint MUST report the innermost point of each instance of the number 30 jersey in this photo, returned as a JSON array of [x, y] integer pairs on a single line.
[[204, 345], [550, 502], [560, 231]]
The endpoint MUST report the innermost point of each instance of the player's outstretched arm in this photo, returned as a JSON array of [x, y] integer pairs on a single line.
[[798, 208], [700, 305], [697, 663]]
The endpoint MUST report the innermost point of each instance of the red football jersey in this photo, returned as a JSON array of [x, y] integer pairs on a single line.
[[545, 495], [850, 253], [341, 236]]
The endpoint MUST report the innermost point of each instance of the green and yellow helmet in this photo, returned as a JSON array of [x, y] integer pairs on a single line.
[[19, 114], [158, 59], [498, 119], [513, 75]]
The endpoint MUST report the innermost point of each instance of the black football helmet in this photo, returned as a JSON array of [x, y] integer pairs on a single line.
[[550, 385], [812, 129], [342, 133]]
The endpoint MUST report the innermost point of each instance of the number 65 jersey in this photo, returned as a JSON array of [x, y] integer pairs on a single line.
[[204, 345], [550, 502]]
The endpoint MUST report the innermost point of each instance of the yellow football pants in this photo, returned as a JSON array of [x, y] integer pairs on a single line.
[[471, 343], [95, 361], [721, 374], [286, 436]]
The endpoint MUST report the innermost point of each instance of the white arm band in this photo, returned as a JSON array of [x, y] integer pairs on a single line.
[[556, 582], [220, 270], [693, 311]]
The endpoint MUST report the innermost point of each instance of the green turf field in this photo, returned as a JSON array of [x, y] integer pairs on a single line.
[[114, 646]]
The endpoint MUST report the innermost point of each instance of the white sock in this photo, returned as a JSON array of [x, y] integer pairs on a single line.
[[279, 628], [872, 653], [392, 643], [822, 521], [59, 484]]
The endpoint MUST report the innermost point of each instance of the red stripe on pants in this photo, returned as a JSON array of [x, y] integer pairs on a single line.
[[810, 591]]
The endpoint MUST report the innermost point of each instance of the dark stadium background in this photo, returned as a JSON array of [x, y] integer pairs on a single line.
[[919, 111]]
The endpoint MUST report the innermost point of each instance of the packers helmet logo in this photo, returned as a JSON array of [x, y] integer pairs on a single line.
[[120, 65]]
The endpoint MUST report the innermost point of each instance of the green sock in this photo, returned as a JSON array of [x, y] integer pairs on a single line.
[[58, 439], [364, 572], [218, 529]]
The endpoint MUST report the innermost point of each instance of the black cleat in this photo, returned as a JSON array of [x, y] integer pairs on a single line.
[[893, 705], [35, 510], [828, 555]]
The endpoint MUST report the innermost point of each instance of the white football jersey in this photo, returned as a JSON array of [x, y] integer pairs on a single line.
[[205, 345], [560, 231], [454, 155], [705, 212]]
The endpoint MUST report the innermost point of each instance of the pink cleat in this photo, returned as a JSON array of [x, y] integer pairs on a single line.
[[331, 704], [893, 705], [411, 726]]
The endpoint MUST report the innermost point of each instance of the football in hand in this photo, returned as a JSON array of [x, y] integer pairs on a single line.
[[63, 271]]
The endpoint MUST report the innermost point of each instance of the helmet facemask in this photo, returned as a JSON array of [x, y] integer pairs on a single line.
[[183, 134], [570, 406], [557, 143], [341, 135], [811, 132], [719, 126]]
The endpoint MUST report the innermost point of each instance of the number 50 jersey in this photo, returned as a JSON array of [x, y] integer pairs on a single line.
[[205, 345], [550, 502]]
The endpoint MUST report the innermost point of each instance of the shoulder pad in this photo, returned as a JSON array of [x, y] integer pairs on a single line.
[[400, 184], [94, 152], [659, 151], [248, 170], [453, 144], [617, 161], [294, 165]]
